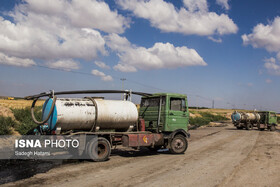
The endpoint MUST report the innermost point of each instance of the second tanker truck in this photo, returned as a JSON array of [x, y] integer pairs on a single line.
[[261, 119], [162, 120]]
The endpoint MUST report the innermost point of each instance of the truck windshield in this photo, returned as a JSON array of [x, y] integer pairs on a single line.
[[152, 102]]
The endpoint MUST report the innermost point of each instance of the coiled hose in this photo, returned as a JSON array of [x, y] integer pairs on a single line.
[[49, 115]]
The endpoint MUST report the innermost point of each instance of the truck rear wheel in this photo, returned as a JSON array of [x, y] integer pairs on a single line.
[[178, 145], [99, 150], [249, 126]]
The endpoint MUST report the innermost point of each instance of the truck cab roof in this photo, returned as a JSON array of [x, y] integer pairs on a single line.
[[266, 112], [167, 94]]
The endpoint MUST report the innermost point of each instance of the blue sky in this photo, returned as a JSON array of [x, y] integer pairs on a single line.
[[222, 50]]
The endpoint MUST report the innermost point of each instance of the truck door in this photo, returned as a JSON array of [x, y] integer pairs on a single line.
[[178, 114], [272, 118]]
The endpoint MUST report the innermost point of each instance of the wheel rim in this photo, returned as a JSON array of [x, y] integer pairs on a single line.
[[101, 150], [178, 144]]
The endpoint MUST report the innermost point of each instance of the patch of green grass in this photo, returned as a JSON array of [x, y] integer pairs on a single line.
[[23, 116], [212, 117], [5, 125], [205, 119]]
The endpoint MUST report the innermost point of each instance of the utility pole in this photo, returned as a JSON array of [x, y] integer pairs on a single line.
[[123, 79], [213, 103]]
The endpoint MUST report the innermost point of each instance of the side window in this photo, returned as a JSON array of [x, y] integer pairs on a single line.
[[177, 104], [272, 114]]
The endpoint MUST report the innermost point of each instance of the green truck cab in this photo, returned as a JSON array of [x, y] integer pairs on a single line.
[[165, 112], [268, 119]]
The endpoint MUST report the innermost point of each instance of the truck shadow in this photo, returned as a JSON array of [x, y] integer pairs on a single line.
[[142, 152], [13, 170], [254, 129]]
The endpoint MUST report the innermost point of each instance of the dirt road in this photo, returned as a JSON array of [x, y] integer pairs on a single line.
[[217, 156]]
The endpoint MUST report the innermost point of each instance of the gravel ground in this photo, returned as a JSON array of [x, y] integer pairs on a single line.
[[217, 156]]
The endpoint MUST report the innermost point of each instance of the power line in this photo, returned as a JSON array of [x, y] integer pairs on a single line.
[[133, 81], [89, 74], [120, 78]]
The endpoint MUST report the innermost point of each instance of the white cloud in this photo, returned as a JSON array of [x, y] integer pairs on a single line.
[[101, 65], [272, 66], [51, 30], [265, 36], [161, 55], [194, 19], [103, 76], [86, 13], [268, 81], [67, 65], [217, 40], [107, 78], [125, 68], [14, 61], [38, 35], [196, 5], [223, 3]]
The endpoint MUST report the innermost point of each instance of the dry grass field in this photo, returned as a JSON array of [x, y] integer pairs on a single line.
[[20, 103]]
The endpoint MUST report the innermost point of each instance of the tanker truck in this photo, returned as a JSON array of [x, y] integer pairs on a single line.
[[161, 122], [261, 119]]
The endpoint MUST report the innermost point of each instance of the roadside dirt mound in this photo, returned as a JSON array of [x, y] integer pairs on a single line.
[[6, 112], [197, 115], [217, 124], [192, 115], [228, 115]]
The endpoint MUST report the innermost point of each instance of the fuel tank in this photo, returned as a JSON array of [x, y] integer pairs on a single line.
[[243, 117], [90, 115]]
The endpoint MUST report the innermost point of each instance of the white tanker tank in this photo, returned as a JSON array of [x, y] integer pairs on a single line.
[[90, 114], [244, 117]]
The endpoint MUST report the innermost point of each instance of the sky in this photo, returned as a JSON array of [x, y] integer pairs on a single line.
[[222, 50]]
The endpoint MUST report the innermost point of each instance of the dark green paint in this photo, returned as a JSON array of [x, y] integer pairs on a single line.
[[170, 120], [268, 117]]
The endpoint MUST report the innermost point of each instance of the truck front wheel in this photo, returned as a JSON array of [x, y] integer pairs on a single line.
[[272, 127], [178, 144]]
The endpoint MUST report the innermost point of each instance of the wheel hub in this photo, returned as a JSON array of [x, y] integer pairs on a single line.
[[179, 144]]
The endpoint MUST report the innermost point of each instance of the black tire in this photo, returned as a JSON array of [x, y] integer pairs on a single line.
[[272, 127], [249, 126], [178, 144], [100, 150]]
